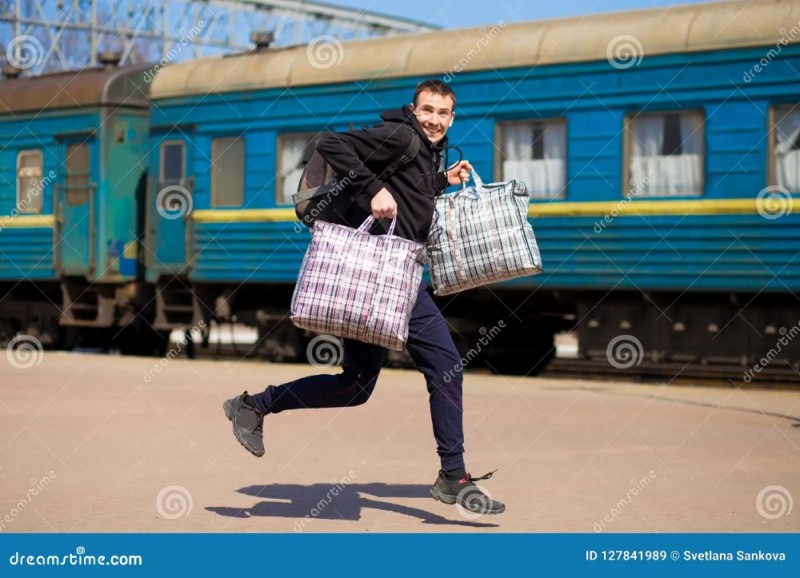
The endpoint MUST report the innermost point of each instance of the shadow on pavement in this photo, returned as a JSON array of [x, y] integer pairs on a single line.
[[338, 502]]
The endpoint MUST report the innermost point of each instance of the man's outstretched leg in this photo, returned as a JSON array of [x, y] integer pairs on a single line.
[[433, 351], [360, 369]]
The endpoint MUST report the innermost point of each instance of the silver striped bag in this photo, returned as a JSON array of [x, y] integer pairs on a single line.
[[358, 286], [481, 235]]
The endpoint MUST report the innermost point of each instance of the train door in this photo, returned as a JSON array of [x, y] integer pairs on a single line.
[[171, 203], [75, 220]]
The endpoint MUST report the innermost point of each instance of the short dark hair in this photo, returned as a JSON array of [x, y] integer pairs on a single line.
[[436, 87]]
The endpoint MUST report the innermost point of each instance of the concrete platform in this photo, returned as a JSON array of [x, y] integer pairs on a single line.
[[92, 443]]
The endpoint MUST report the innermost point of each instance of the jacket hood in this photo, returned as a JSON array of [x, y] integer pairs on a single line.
[[407, 116]]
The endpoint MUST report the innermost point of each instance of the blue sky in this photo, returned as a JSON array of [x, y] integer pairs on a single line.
[[468, 13]]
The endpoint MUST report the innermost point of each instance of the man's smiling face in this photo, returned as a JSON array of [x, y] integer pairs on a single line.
[[434, 113]]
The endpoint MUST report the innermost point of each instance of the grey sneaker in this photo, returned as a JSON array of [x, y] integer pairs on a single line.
[[248, 424], [464, 492]]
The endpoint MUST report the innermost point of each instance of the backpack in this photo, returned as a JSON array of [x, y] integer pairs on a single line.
[[319, 191]]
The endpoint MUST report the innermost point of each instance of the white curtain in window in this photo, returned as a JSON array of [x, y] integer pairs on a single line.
[[545, 177], [787, 158], [654, 173], [30, 196], [666, 175], [292, 148]]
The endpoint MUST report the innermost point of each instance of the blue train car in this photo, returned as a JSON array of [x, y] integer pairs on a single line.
[[660, 146], [72, 181]]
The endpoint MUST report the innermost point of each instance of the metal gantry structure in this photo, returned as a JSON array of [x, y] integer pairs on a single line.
[[50, 35]]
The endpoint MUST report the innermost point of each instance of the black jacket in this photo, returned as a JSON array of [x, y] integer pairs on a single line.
[[361, 155]]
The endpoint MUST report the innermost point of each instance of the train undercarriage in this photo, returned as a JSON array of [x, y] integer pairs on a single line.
[[505, 330]]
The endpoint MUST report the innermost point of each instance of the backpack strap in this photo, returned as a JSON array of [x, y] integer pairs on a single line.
[[408, 155]]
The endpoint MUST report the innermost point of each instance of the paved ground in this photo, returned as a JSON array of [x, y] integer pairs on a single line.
[[96, 443]]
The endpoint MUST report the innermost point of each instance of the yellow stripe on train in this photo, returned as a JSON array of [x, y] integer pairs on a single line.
[[26, 221], [629, 208], [623, 207]]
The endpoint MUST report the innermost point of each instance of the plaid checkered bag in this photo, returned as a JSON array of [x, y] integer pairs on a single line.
[[481, 235], [358, 286]]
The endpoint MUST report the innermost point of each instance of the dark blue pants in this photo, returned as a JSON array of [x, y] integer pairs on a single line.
[[434, 353]]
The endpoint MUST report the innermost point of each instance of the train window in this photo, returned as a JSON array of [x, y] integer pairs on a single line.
[[665, 154], [29, 182], [535, 153], [77, 181], [227, 172], [172, 161], [786, 147], [294, 151]]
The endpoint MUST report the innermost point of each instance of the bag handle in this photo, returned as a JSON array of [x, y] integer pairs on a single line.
[[370, 220], [479, 186]]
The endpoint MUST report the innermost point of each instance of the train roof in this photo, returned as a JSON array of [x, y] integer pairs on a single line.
[[76, 89], [677, 29]]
